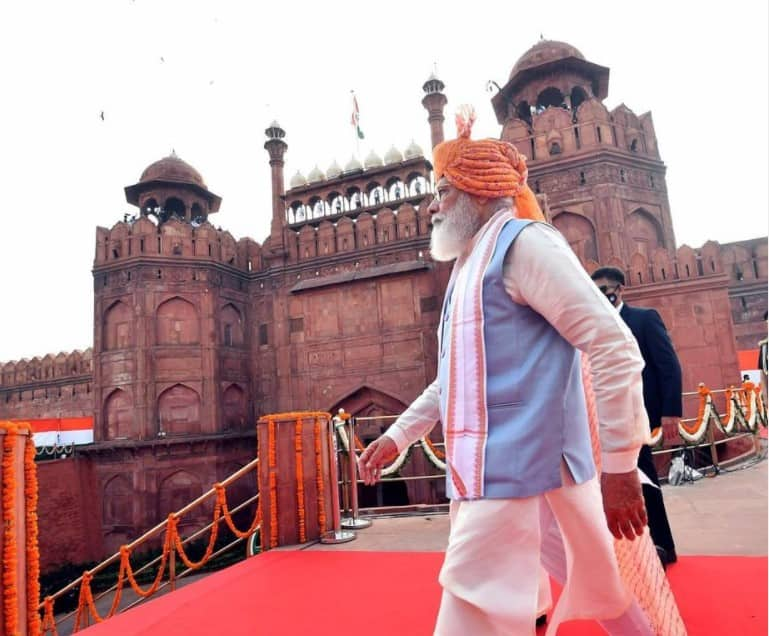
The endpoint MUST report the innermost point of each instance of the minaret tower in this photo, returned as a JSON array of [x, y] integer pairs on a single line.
[[434, 101], [276, 147]]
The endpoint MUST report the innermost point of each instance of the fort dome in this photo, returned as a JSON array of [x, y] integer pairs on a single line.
[[543, 52], [171, 168]]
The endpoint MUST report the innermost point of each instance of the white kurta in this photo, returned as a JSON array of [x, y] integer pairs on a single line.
[[491, 572]]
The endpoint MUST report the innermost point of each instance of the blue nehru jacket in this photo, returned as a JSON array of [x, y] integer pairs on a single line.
[[534, 391]]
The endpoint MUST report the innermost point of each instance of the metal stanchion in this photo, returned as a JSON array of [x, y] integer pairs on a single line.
[[353, 521], [336, 535]]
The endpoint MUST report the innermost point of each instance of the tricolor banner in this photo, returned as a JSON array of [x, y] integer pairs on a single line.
[[355, 119], [62, 431]]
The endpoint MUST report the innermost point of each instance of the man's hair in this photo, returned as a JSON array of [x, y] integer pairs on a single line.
[[612, 273]]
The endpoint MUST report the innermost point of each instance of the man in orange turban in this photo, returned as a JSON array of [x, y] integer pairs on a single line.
[[516, 411]]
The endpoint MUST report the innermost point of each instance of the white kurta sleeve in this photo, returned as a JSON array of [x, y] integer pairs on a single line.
[[542, 272], [417, 420]]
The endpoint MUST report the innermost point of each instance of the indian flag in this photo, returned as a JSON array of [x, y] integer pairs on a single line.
[[355, 119], [62, 431]]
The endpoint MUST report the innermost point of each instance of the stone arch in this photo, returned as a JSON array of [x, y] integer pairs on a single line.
[[686, 262], [173, 207], [710, 258], [643, 233], [417, 184], [231, 326], [385, 226], [117, 415], [177, 323], [176, 491], [117, 502], [234, 407], [579, 233], [365, 235], [376, 194], [117, 330], [407, 221], [639, 270], [355, 197], [178, 409], [661, 266], [337, 203], [550, 96]]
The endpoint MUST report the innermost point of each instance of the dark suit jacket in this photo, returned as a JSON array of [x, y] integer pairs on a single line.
[[662, 373]]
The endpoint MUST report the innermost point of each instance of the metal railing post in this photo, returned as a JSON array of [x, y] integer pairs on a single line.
[[336, 535], [353, 521]]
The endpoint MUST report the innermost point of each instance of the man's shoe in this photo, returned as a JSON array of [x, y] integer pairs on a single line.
[[541, 620]]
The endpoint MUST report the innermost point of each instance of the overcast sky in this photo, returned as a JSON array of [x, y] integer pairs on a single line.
[[205, 78]]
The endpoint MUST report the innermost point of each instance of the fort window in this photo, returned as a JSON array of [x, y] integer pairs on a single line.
[[578, 95], [536, 186], [295, 325], [622, 176], [524, 112], [533, 148], [173, 207], [634, 145], [640, 278], [598, 132], [263, 340], [551, 96], [228, 335], [128, 276], [115, 253], [555, 148], [141, 245], [582, 178], [160, 274], [651, 180], [210, 250], [664, 277], [576, 137]]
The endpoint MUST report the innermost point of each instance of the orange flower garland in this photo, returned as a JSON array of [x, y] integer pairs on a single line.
[[436, 451], [10, 584], [221, 500], [300, 512], [32, 549], [319, 478], [49, 622], [271, 464]]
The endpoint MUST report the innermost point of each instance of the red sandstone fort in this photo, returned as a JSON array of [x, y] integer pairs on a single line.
[[196, 333]]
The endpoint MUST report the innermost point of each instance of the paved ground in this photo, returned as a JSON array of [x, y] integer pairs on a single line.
[[725, 514]]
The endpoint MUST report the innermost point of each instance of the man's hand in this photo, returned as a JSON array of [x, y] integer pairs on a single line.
[[379, 453], [623, 504]]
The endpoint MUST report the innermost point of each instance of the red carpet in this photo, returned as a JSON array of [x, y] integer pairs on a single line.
[[397, 594]]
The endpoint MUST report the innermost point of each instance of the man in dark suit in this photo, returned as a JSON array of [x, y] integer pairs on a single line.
[[661, 391]]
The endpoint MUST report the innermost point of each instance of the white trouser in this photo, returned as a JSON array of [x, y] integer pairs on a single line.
[[491, 573]]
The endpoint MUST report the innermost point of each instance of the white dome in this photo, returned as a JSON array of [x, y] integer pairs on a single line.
[[298, 180], [333, 170], [353, 164], [316, 174], [393, 155], [414, 151], [373, 160]]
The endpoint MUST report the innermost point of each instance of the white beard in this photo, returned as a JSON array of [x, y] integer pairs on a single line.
[[453, 231]]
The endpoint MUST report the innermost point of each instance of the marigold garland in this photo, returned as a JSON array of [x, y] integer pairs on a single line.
[[10, 556], [300, 512], [32, 548], [693, 433], [221, 500], [319, 478], [271, 464], [173, 520], [49, 622]]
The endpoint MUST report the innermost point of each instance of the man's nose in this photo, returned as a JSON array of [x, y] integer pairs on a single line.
[[433, 207]]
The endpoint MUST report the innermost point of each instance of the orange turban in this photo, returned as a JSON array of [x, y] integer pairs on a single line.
[[487, 168]]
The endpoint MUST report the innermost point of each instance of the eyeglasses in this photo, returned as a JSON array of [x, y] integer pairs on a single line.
[[604, 289], [440, 194]]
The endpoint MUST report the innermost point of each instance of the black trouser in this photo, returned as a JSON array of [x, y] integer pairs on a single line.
[[655, 506]]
